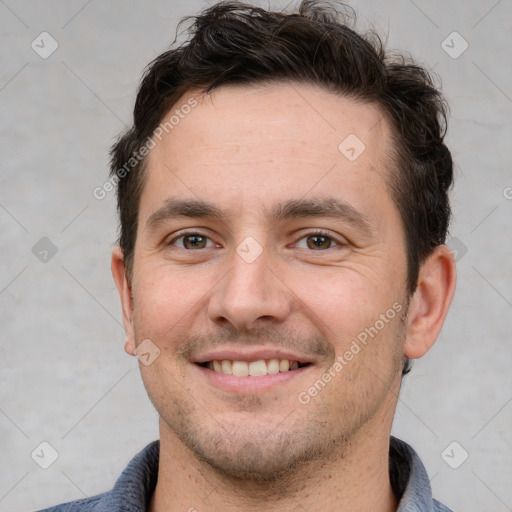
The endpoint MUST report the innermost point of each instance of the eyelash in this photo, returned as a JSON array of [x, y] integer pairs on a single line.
[[305, 235], [326, 234], [186, 235]]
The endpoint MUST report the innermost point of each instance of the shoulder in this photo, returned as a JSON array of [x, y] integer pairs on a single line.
[[132, 490], [410, 480], [93, 504], [439, 507]]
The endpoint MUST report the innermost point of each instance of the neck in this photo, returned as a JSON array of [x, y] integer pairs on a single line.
[[356, 478]]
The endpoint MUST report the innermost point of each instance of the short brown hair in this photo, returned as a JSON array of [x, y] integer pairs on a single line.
[[235, 43]]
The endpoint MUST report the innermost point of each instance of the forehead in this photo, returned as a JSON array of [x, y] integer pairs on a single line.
[[258, 142], [281, 110]]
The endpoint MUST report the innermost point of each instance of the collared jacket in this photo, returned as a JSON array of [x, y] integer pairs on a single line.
[[133, 489]]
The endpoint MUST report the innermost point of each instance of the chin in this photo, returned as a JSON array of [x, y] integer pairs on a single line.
[[256, 453], [264, 461]]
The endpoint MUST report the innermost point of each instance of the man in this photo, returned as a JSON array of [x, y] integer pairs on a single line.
[[283, 207]]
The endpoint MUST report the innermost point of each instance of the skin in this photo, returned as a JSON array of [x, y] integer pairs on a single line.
[[244, 149]]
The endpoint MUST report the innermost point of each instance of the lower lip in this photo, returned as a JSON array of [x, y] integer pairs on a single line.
[[249, 384]]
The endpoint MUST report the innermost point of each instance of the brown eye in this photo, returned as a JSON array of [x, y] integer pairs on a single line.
[[319, 242], [192, 241]]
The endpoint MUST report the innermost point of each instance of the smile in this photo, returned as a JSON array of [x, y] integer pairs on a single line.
[[257, 368]]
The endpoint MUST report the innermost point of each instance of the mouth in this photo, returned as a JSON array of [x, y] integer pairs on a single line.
[[253, 370], [257, 368]]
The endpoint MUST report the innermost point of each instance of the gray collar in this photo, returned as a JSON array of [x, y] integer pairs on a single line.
[[133, 489]]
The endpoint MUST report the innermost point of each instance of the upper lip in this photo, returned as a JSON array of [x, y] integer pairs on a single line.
[[249, 355]]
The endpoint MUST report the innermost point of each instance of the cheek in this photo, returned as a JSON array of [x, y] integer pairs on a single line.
[[358, 314], [340, 301], [162, 304]]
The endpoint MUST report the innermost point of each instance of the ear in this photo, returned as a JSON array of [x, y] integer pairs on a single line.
[[430, 302], [125, 294]]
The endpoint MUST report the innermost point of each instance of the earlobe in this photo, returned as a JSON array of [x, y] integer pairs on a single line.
[[430, 302], [125, 295]]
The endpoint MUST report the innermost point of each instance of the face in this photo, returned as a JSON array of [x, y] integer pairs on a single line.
[[264, 248]]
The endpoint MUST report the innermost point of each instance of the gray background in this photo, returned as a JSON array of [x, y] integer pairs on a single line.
[[64, 376]]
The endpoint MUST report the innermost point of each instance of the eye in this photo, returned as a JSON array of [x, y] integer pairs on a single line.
[[317, 241], [190, 241]]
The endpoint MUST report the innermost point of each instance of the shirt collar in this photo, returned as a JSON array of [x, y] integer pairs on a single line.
[[408, 476]]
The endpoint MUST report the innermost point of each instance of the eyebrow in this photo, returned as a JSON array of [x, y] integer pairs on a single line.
[[184, 208], [295, 208]]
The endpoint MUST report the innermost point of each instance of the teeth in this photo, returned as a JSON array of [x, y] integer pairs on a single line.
[[273, 366], [227, 367], [284, 365], [257, 368], [253, 368], [240, 368]]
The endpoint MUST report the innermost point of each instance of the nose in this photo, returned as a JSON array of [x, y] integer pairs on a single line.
[[250, 295]]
